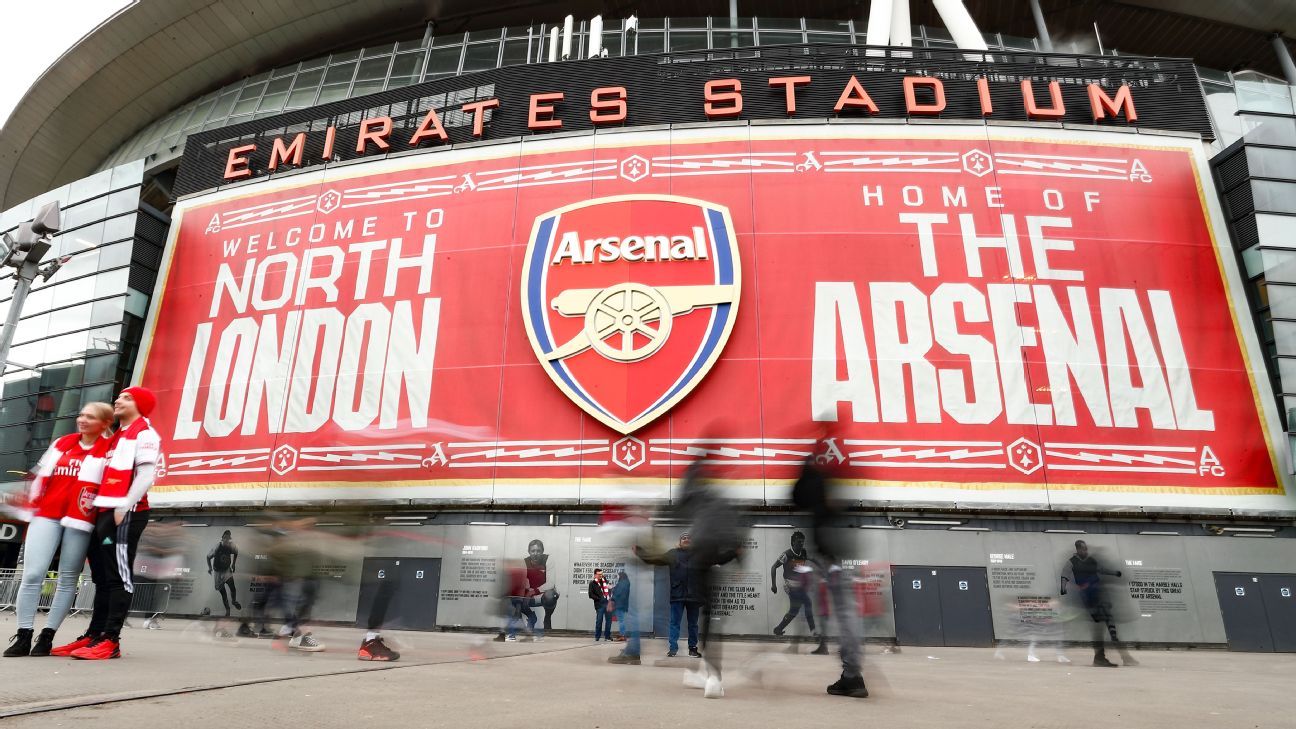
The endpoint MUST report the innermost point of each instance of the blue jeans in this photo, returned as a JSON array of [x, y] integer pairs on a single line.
[[521, 606], [602, 620], [678, 610]]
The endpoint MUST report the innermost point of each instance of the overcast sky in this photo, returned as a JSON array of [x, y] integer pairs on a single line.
[[37, 33]]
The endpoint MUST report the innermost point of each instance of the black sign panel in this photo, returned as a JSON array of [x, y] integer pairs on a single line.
[[669, 89]]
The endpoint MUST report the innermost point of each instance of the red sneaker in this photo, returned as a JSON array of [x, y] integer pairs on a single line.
[[101, 649], [66, 650]]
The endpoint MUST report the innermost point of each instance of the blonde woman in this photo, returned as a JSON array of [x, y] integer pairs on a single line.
[[62, 520]]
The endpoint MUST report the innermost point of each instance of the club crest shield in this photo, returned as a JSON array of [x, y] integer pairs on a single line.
[[629, 300]]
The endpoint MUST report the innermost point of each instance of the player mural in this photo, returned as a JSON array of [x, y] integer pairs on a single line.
[[1034, 319]]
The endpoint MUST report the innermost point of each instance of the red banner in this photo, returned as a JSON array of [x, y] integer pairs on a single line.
[[982, 318]]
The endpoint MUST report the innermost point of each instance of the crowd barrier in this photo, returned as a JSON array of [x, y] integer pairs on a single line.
[[150, 600]]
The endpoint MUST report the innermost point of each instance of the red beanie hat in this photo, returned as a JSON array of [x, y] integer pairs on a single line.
[[144, 399]]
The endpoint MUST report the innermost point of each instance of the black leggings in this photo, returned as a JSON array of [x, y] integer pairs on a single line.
[[112, 562]]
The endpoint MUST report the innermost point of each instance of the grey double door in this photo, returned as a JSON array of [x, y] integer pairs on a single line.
[[942, 606], [1259, 611], [399, 593]]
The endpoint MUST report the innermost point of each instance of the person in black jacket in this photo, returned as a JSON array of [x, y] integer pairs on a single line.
[[813, 494], [598, 592], [686, 595]]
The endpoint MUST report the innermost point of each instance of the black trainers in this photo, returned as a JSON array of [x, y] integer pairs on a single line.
[[853, 687], [20, 644], [499, 638], [822, 650], [245, 631], [377, 650], [265, 634], [624, 660], [1101, 662], [671, 654], [778, 630], [237, 606], [44, 643], [693, 653]]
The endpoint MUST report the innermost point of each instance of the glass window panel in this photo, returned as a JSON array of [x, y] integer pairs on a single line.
[[340, 74], [309, 79], [112, 282], [106, 339], [407, 64], [41, 300], [92, 186], [222, 107], [108, 311], [332, 93], [840, 38], [302, 98], [612, 42], [200, 114], [119, 228], [693, 23], [284, 71], [68, 402], [484, 35], [278, 86], [775, 38], [718, 23], [66, 346], [522, 31], [1277, 231], [123, 201], [83, 213], [83, 262], [70, 318], [515, 52], [28, 354], [687, 41], [443, 61], [646, 43], [244, 107], [98, 393], [481, 57], [344, 57], [31, 328], [452, 39], [839, 26], [373, 68], [410, 45], [1270, 162], [1274, 197], [778, 23], [732, 39], [367, 87], [382, 50], [118, 254], [251, 91], [398, 81]]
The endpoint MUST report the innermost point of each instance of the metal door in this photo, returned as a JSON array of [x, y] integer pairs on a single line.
[[377, 574], [420, 586], [1242, 605], [1279, 594], [965, 606], [915, 595]]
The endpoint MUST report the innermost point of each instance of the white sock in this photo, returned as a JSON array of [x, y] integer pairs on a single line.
[[370, 635]]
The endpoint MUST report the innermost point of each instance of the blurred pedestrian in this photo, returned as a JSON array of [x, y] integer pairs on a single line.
[[813, 493], [620, 602], [1086, 575], [599, 592], [62, 518], [627, 619]]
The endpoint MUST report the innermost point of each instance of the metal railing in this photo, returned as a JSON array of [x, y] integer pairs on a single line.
[[151, 600]]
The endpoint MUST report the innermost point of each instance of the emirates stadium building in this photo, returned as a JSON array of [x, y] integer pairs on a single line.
[[1016, 270]]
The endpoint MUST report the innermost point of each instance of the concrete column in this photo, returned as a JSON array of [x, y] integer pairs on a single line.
[[1284, 57], [1041, 29], [960, 25]]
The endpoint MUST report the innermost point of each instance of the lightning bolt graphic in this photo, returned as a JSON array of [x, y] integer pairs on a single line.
[[264, 213], [526, 453], [357, 457], [1128, 460], [545, 175], [236, 461], [722, 163], [1065, 166], [925, 453], [894, 161], [396, 191]]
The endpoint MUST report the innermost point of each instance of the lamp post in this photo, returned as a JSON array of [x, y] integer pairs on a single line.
[[23, 251]]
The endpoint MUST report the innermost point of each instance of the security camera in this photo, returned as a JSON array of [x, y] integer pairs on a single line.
[[897, 522], [46, 221]]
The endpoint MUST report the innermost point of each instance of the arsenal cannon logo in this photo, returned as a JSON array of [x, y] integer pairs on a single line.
[[629, 300]]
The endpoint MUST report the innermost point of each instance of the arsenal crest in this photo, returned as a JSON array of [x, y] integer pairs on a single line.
[[629, 300]]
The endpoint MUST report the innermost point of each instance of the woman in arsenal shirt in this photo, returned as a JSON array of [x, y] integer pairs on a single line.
[[62, 518]]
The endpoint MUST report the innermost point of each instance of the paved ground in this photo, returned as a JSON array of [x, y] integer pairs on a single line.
[[178, 676]]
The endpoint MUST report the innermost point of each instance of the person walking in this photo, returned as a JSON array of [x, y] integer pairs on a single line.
[[124, 482], [628, 618], [62, 518], [812, 493], [599, 593], [1086, 574]]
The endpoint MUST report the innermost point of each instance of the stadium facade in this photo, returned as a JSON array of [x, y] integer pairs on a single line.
[[471, 277]]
